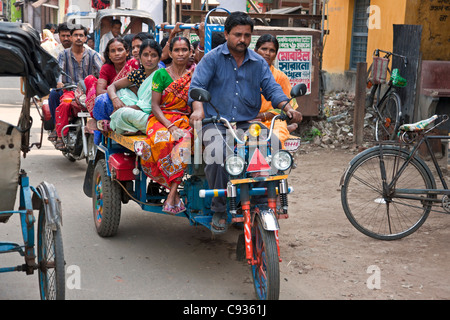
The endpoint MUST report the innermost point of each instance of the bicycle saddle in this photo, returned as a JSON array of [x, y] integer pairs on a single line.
[[418, 126]]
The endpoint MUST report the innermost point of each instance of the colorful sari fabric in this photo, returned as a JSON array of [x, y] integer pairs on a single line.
[[128, 120], [280, 127], [168, 158]]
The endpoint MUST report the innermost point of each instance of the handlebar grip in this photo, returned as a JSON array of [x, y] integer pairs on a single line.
[[209, 120]]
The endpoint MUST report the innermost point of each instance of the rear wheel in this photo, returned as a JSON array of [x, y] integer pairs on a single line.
[[388, 118], [266, 270], [376, 212], [106, 200]]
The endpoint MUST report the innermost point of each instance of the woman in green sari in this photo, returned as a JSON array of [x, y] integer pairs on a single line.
[[168, 132]]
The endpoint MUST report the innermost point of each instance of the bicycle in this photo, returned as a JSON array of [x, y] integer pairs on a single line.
[[388, 108], [388, 191]]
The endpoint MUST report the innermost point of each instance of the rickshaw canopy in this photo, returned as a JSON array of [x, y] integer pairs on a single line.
[[121, 12], [22, 56], [143, 15]]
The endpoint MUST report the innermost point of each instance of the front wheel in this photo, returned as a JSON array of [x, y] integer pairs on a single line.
[[266, 268], [388, 118], [50, 260]]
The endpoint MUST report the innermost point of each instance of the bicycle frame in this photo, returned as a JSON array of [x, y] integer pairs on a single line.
[[27, 221], [410, 193]]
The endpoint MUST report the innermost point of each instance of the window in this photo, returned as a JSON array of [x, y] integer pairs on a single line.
[[359, 33]]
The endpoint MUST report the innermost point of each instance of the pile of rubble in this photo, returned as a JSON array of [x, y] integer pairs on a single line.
[[334, 127]]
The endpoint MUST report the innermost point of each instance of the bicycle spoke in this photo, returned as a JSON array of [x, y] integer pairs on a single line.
[[381, 214]]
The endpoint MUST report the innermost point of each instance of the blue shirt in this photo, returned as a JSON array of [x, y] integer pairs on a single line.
[[235, 92]]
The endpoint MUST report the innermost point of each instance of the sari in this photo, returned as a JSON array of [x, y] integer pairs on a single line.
[[166, 158], [129, 120], [280, 127]]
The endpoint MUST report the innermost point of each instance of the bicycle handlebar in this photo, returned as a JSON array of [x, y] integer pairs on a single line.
[[388, 54]]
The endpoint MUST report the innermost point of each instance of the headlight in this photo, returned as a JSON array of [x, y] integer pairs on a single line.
[[255, 130], [282, 160], [234, 165], [83, 99]]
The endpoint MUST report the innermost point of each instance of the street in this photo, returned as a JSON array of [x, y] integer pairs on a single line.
[[159, 257], [151, 257]]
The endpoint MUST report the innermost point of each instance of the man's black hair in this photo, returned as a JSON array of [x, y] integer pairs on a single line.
[[238, 18], [79, 27]]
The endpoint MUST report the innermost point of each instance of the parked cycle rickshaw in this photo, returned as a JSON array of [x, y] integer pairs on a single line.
[[22, 56]]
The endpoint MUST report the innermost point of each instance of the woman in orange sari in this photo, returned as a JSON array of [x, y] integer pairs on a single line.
[[267, 47], [168, 132]]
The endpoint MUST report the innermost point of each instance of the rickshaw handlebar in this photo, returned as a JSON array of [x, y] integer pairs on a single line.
[[183, 26]]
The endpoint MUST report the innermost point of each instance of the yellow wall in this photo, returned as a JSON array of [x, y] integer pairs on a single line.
[[382, 18], [434, 16], [336, 51], [384, 14]]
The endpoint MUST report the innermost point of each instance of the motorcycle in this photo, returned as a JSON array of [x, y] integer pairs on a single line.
[[115, 176], [79, 142]]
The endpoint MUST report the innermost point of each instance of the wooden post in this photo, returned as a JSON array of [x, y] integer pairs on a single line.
[[360, 102]]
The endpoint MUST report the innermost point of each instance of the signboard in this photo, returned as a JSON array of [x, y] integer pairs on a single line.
[[294, 59]]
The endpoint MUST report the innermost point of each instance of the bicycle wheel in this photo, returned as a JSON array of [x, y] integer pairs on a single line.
[[50, 260], [388, 118], [385, 217], [266, 271]]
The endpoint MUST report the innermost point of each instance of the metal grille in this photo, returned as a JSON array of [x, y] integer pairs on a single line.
[[359, 33]]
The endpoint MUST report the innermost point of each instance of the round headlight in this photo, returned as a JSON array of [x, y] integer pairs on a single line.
[[255, 130], [234, 165], [282, 160]]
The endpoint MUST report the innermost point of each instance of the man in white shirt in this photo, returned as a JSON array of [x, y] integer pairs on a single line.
[[115, 32]]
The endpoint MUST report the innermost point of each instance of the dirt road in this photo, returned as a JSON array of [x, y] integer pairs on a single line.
[[325, 257]]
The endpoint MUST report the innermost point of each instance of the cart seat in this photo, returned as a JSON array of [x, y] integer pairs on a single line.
[[10, 142], [126, 141]]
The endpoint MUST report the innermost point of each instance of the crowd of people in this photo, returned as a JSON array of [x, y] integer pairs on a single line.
[[141, 86]]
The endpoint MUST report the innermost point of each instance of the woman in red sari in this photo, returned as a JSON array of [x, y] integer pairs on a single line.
[[168, 132]]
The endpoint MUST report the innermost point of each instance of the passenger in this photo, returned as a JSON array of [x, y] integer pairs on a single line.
[[165, 43], [49, 43], [168, 132], [267, 47], [136, 45], [78, 62], [114, 33], [130, 112], [115, 68], [55, 95]]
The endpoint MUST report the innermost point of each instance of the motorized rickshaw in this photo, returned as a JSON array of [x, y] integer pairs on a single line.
[[22, 56], [116, 176], [137, 18]]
